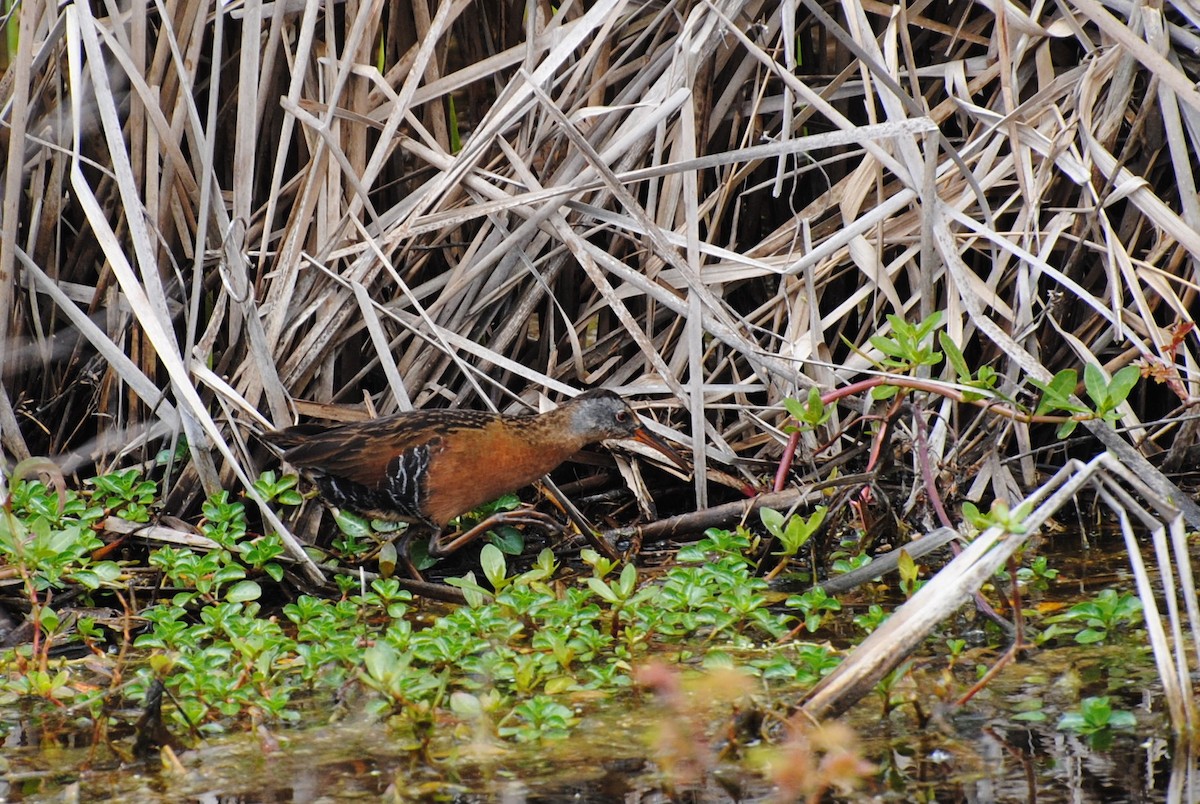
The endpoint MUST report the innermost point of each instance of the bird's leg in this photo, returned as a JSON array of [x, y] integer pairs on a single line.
[[581, 522], [402, 548], [445, 544]]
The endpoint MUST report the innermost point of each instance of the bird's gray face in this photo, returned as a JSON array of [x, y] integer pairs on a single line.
[[602, 415], [607, 418]]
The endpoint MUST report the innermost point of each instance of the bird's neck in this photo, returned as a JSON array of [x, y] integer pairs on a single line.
[[552, 433]]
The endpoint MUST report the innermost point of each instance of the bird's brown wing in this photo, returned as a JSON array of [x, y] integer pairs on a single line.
[[362, 451]]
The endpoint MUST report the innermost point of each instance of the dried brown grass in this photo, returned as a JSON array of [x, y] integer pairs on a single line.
[[214, 217], [708, 206]]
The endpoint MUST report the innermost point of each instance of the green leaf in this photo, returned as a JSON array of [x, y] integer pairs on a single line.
[[107, 571], [886, 345], [799, 530], [816, 412], [881, 392], [379, 659], [465, 705], [906, 565], [418, 554], [48, 619], [628, 581], [231, 572], [86, 578], [1056, 394], [1122, 383], [794, 408], [352, 525], [1121, 719], [1072, 721], [772, 520], [602, 589], [290, 497], [495, 569], [472, 591], [1097, 386], [243, 592], [510, 540], [387, 559], [931, 323], [560, 684], [954, 356], [506, 502]]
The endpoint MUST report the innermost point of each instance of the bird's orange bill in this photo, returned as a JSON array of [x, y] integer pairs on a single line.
[[651, 440]]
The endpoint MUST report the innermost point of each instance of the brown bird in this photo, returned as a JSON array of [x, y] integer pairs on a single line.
[[431, 466]]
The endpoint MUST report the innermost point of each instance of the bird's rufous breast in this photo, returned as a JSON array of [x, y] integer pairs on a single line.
[[478, 465]]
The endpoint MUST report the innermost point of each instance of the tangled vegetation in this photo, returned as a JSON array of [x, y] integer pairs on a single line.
[[894, 275]]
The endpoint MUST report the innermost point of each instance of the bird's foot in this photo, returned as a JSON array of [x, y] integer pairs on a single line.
[[445, 544]]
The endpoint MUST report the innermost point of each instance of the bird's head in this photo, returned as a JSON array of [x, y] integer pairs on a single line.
[[600, 414]]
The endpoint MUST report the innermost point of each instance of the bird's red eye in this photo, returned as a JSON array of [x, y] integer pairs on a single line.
[[622, 416]]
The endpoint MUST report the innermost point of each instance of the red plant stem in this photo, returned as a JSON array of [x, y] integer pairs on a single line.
[[785, 461], [935, 499]]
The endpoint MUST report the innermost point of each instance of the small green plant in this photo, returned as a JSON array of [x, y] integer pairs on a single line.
[[841, 566], [224, 520], [385, 595], [815, 607], [908, 346], [886, 688], [1109, 394], [910, 572], [616, 593], [355, 535], [260, 554], [907, 349], [812, 413], [521, 644], [391, 673], [542, 570], [984, 379], [1106, 395], [1096, 715], [495, 567], [1056, 398], [799, 662], [601, 565], [43, 684], [280, 490], [1095, 620], [1000, 515], [46, 540], [871, 619], [31, 500], [539, 718], [125, 494], [792, 534], [203, 576], [1038, 574], [49, 557]]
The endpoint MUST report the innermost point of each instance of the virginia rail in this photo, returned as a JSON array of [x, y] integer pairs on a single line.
[[433, 465]]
